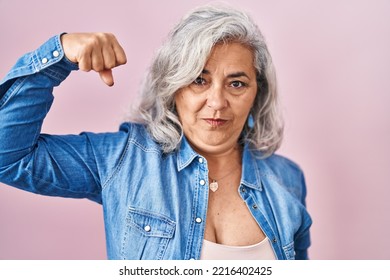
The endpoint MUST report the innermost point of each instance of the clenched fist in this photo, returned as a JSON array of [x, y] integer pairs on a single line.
[[94, 51]]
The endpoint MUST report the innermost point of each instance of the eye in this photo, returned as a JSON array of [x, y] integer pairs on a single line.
[[237, 84], [199, 81]]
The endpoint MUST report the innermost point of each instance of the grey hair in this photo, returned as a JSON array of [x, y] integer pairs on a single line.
[[181, 59]]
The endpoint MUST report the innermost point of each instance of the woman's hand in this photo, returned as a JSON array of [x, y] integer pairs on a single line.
[[94, 51]]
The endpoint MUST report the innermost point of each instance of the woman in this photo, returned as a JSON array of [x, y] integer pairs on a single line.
[[194, 174]]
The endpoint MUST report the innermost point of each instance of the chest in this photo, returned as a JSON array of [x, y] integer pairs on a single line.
[[158, 212], [229, 220]]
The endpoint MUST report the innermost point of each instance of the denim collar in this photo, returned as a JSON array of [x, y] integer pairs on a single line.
[[185, 154], [250, 173]]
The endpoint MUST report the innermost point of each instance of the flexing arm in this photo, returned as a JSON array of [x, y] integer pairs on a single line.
[[70, 165]]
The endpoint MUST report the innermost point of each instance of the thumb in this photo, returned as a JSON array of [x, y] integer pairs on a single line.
[[106, 76]]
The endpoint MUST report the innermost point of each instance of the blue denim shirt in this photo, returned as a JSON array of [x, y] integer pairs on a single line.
[[152, 201]]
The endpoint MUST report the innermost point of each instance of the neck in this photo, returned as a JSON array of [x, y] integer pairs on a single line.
[[219, 163]]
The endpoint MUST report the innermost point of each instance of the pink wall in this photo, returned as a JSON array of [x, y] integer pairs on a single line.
[[332, 59]]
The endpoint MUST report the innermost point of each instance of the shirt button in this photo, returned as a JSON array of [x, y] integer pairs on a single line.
[[243, 190], [202, 182], [56, 53], [147, 228], [198, 220], [254, 206], [44, 60], [200, 160]]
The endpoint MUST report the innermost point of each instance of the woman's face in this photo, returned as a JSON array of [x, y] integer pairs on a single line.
[[214, 108]]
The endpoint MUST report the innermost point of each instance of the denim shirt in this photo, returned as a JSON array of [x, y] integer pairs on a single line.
[[154, 203]]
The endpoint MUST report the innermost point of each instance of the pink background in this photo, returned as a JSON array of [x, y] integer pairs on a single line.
[[332, 60]]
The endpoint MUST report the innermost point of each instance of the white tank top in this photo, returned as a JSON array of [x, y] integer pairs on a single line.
[[260, 251]]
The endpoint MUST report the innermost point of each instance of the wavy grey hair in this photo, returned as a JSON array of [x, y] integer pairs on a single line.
[[181, 60]]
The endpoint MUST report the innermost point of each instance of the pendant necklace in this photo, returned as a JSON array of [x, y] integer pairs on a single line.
[[214, 182]]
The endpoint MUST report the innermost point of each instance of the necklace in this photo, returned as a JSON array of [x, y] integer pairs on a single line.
[[214, 182]]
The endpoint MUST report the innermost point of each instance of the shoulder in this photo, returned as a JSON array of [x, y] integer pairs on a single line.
[[139, 137], [280, 165], [287, 173], [274, 163]]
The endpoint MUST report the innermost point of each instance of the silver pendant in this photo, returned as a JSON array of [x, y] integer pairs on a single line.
[[214, 186]]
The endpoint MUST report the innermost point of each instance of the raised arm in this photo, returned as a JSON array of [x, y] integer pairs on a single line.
[[70, 165]]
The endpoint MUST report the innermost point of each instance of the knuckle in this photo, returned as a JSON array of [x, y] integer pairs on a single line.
[[93, 40], [110, 64], [121, 59], [98, 68], [110, 36], [84, 68], [105, 37]]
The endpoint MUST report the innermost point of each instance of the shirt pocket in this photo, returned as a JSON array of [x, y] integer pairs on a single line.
[[289, 251], [147, 235]]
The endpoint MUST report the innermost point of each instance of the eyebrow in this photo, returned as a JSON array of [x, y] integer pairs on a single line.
[[232, 75]]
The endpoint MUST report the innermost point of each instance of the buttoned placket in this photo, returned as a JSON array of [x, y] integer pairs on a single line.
[[257, 213], [199, 216]]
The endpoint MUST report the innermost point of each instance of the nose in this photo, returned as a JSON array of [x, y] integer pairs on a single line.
[[216, 98]]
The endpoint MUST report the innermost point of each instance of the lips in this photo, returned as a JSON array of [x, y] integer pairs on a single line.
[[215, 122]]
